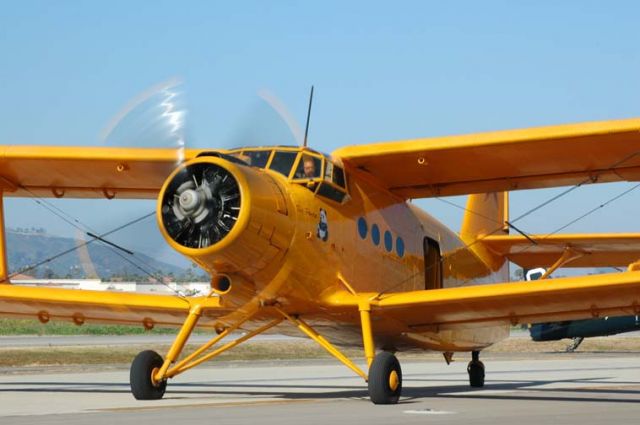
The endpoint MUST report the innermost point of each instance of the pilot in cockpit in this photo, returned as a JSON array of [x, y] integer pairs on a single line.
[[307, 168]]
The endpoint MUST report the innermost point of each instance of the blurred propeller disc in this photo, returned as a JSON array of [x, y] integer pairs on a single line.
[[282, 111], [156, 118], [267, 122]]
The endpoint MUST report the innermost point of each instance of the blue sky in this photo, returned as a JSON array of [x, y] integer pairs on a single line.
[[382, 71]]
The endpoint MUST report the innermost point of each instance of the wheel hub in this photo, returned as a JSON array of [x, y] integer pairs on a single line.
[[394, 380], [154, 381]]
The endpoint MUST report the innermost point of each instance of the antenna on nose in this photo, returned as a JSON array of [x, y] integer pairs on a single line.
[[306, 130]]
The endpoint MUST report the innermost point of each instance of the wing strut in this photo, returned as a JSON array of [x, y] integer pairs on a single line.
[[331, 349], [567, 256], [4, 270]]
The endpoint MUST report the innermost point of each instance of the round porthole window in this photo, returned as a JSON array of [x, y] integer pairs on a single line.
[[363, 229], [400, 247], [375, 234], [388, 241]]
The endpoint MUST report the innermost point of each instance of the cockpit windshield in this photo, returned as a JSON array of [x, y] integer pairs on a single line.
[[256, 158], [283, 161], [315, 171]]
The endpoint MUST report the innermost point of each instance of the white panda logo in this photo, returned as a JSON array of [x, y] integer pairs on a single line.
[[322, 231]]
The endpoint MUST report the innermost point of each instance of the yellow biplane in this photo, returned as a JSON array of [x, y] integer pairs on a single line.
[[333, 245]]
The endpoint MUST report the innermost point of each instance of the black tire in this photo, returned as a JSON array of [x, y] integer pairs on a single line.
[[476, 374], [142, 367], [380, 390]]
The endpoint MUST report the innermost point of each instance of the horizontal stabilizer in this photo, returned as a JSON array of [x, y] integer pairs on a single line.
[[587, 250]]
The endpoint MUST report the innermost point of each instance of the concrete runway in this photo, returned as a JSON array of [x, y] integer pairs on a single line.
[[584, 389]]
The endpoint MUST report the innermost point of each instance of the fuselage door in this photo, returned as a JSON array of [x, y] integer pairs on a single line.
[[432, 264]]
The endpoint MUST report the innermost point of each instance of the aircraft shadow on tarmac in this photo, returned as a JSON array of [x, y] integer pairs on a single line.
[[607, 392]]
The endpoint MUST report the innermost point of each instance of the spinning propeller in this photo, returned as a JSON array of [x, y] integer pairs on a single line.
[[200, 206], [202, 203]]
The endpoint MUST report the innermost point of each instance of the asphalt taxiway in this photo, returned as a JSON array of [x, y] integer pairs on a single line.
[[581, 389]]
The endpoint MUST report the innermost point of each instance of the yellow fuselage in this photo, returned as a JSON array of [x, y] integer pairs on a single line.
[[298, 249]]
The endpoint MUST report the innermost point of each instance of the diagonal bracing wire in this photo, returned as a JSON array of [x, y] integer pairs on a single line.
[[74, 222], [585, 215], [60, 254]]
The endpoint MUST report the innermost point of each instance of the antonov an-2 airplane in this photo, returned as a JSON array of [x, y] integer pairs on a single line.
[[333, 246]]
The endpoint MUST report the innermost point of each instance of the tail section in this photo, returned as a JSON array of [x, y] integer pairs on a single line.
[[486, 213]]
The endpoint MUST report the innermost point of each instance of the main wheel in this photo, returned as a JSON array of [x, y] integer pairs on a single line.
[[143, 367], [476, 374], [385, 379]]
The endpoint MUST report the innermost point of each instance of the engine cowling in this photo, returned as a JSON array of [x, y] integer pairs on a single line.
[[230, 219]]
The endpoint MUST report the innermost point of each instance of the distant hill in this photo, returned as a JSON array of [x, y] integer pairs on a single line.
[[97, 260]]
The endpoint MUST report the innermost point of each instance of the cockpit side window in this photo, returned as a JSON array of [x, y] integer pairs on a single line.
[[309, 167], [282, 162], [338, 176], [257, 158], [328, 170]]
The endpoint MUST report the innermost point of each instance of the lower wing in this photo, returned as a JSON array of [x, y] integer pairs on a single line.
[[82, 306], [615, 294]]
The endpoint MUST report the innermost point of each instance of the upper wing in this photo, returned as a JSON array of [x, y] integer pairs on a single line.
[[86, 172], [514, 303], [102, 306], [562, 155]]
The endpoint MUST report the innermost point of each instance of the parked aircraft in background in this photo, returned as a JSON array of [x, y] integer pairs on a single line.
[[578, 330]]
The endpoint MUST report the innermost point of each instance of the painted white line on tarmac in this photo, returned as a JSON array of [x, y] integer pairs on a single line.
[[479, 392], [428, 412]]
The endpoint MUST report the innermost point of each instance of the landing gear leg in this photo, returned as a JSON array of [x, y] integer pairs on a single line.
[[575, 344], [476, 370], [385, 376], [149, 372]]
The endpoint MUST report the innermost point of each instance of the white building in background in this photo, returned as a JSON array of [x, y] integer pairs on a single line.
[[186, 288]]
